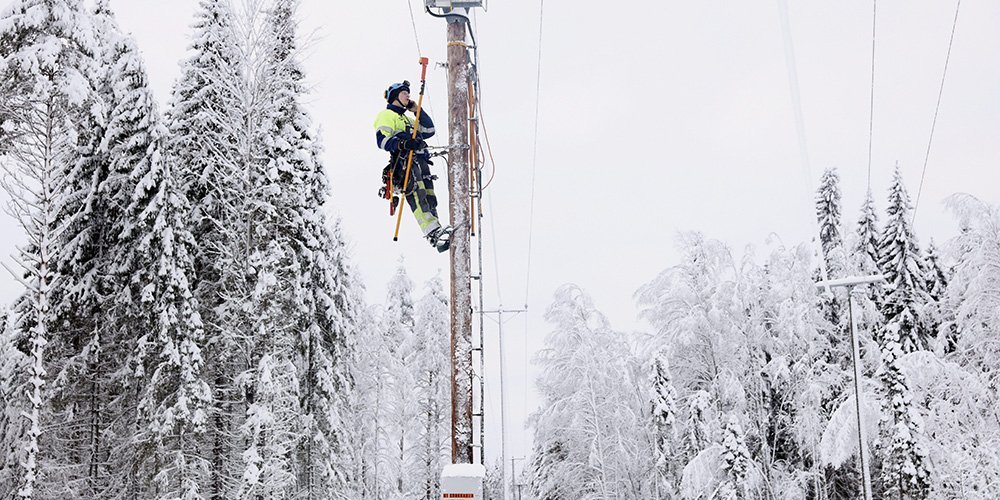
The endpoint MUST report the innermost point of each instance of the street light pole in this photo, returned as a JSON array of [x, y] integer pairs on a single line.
[[850, 283]]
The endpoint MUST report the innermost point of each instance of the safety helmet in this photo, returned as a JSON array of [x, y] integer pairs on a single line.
[[393, 91]]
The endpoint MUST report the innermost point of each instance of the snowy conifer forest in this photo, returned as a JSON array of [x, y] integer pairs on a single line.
[[744, 388], [192, 326]]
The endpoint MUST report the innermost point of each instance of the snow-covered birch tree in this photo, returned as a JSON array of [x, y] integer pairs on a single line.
[[591, 408]]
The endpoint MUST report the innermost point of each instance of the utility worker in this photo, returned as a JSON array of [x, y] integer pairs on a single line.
[[394, 133]]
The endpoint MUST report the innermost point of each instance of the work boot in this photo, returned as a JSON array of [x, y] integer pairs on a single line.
[[440, 238]]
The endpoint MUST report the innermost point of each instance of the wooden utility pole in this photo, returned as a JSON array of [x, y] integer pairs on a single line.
[[461, 255]]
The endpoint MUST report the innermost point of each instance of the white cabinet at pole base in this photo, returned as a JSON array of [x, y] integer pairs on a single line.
[[462, 482]]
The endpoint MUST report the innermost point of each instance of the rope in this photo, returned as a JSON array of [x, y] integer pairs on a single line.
[[413, 21], [937, 108], [871, 104], [534, 150], [416, 37], [489, 150]]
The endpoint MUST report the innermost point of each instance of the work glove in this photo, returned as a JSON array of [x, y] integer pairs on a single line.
[[412, 105], [411, 144]]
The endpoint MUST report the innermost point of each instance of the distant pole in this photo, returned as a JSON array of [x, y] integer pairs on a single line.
[[503, 405], [461, 255], [503, 412], [850, 283], [513, 476]]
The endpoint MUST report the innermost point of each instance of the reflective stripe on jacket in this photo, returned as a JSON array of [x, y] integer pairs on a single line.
[[392, 126]]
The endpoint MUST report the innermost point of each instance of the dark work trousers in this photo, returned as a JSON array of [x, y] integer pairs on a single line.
[[419, 191]]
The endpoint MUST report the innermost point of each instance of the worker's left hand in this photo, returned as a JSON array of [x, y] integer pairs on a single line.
[[412, 105], [411, 144]]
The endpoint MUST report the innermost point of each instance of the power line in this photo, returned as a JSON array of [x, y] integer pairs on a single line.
[[534, 150], [531, 210], [871, 104], [937, 108]]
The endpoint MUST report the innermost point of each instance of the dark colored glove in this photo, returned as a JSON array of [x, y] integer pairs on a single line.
[[411, 144], [411, 105]]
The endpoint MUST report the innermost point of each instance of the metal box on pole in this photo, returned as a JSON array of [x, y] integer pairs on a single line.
[[454, 4]]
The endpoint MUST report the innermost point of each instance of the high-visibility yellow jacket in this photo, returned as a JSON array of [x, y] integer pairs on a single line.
[[392, 126]]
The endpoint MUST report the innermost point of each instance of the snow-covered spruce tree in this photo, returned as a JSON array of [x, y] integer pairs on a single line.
[[939, 316], [828, 212], [492, 487], [905, 462], [736, 460], [864, 261], [14, 366], [828, 218], [259, 197], [50, 113], [590, 407], [904, 469], [342, 321], [543, 473], [900, 262], [152, 262], [663, 402], [203, 146], [266, 237], [88, 354], [332, 299], [699, 422], [865, 251], [328, 295], [432, 378]]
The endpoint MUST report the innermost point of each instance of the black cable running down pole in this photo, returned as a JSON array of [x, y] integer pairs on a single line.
[[468, 22]]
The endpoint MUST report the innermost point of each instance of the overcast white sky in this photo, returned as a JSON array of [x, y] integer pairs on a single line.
[[656, 117]]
